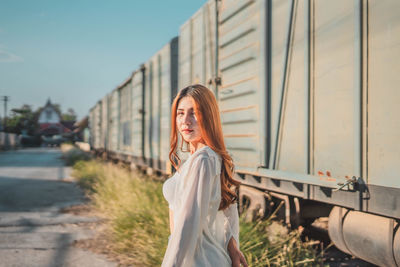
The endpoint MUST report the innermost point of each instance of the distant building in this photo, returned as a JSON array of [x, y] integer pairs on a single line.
[[50, 121]]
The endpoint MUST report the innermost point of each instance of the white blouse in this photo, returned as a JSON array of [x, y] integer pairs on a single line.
[[201, 233]]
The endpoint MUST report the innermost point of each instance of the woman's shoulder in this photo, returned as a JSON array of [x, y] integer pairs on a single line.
[[207, 154]]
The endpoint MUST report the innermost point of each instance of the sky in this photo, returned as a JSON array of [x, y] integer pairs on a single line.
[[75, 52]]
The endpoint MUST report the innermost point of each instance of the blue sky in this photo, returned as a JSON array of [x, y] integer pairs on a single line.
[[74, 51]]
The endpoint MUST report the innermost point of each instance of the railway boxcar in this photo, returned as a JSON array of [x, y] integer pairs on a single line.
[[309, 106], [308, 102]]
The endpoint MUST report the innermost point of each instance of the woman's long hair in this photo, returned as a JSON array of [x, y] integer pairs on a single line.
[[207, 113]]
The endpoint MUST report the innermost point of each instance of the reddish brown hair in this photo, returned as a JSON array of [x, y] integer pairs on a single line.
[[207, 113]]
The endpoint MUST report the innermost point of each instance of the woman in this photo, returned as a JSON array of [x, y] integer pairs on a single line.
[[204, 221]]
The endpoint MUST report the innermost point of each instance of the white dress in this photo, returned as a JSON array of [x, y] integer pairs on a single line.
[[201, 233]]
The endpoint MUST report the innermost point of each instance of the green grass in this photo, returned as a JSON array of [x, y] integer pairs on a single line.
[[137, 217]]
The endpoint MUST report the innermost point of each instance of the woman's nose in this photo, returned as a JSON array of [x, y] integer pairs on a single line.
[[186, 119]]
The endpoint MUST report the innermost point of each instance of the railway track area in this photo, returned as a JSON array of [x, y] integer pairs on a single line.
[[332, 255]]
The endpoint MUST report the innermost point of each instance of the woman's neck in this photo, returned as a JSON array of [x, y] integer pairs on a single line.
[[194, 146]]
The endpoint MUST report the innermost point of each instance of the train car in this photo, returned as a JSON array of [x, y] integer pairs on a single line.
[[308, 100]]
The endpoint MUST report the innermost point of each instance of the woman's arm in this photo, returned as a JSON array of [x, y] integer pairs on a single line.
[[235, 254], [231, 224], [232, 236], [192, 215]]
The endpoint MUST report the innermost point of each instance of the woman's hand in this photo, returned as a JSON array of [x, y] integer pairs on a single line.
[[235, 254]]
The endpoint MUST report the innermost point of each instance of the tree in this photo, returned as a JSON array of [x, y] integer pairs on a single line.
[[22, 120], [70, 115]]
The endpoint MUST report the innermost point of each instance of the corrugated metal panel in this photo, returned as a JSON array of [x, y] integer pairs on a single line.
[[161, 79], [383, 93], [242, 94], [97, 126], [335, 116], [90, 125], [137, 113], [148, 109], [109, 122], [335, 98], [156, 106], [114, 121], [197, 47], [168, 75], [292, 150], [104, 122], [125, 94], [185, 72], [352, 56]]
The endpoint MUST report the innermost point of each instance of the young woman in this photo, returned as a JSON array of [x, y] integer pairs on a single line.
[[204, 220]]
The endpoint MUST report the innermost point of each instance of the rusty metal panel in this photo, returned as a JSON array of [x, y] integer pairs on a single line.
[[383, 93], [125, 111], [288, 54], [242, 95], [137, 113], [197, 47]]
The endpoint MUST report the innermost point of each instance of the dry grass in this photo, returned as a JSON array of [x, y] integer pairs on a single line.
[[71, 154], [137, 221]]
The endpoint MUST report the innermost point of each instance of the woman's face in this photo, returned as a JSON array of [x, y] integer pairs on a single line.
[[186, 120]]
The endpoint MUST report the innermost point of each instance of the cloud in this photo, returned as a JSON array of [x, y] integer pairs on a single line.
[[6, 56]]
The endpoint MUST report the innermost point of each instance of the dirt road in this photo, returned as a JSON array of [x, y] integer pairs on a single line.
[[34, 187]]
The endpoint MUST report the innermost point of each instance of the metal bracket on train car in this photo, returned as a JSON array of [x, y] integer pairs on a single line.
[[215, 80], [348, 183]]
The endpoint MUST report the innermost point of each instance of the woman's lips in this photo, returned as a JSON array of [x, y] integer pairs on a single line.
[[186, 131]]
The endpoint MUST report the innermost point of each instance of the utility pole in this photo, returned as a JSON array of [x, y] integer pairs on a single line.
[[5, 99]]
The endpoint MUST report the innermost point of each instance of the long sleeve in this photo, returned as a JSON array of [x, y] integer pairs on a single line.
[[231, 224], [192, 215]]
